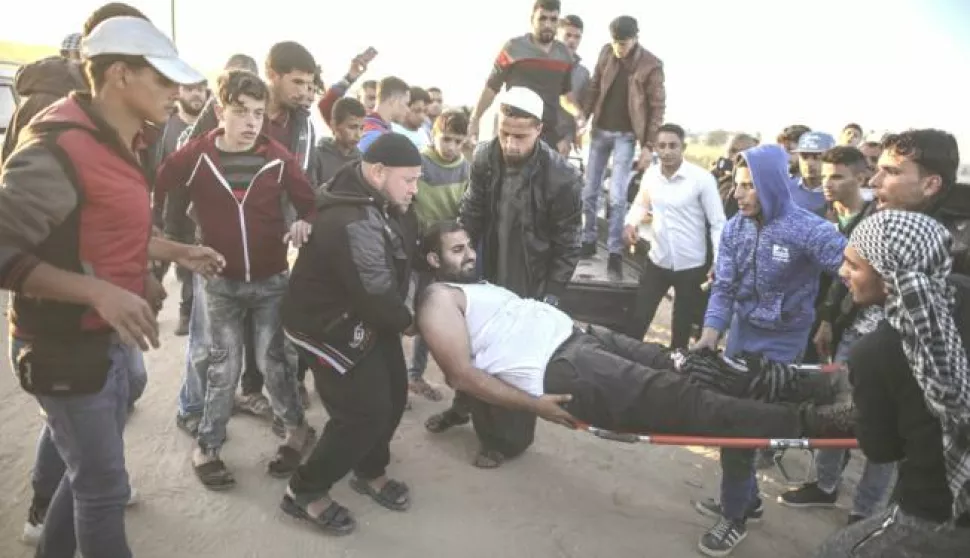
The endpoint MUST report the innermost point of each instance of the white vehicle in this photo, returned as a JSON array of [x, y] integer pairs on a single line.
[[8, 96]]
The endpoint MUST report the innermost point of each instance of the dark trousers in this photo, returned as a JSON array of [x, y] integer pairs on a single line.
[[252, 377], [507, 431], [621, 384], [365, 407], [654, 283]]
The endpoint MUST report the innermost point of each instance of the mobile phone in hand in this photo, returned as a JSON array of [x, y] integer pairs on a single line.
[[369, 54]]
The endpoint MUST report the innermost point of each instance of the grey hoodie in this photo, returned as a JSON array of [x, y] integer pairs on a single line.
[[330, 159]]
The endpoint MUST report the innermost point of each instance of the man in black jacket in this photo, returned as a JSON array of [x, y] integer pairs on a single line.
[[345, 312], [523, 209]]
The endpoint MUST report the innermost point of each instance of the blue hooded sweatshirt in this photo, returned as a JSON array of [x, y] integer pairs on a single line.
[[767, 273]]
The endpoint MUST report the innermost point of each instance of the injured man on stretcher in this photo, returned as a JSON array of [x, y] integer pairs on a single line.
[[527, 355]]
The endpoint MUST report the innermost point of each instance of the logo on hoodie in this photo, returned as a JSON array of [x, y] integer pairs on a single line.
[[780, 254]]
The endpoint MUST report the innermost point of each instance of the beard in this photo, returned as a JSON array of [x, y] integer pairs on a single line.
[[460, 275], [545, 37], [189, 109]]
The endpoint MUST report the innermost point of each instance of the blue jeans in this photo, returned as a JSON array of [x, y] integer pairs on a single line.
[[830, 463], [48, 465], [621, 145], [191, 400], [87, 511], [228, 301]]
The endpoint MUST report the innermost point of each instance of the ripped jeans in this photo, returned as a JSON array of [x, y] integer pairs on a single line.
[[228, 301]]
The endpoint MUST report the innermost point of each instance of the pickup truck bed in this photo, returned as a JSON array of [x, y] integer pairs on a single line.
[[592, 298]]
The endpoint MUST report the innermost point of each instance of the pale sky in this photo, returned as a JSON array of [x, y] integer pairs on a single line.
[[755, 65]]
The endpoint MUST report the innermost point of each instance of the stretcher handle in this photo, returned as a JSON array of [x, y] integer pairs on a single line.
[[719, 442]]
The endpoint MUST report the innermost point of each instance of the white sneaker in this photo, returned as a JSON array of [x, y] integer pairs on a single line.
[[34, 527]]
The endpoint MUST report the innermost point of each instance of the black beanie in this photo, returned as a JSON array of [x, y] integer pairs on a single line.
[[393, 150]]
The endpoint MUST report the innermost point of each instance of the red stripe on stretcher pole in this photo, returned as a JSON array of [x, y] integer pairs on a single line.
[[714, 442]]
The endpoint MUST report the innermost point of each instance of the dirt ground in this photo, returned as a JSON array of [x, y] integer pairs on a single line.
[[570, 495]]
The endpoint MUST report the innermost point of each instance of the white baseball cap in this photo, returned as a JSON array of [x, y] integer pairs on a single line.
[[135, 36], [523, 99]]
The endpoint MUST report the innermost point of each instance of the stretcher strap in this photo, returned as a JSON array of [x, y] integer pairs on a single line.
[[715, 442]]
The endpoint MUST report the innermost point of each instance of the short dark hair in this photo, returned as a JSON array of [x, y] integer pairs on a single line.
[[933, 151], [369, 84], [846, 155], [792, 133], [242, 62], [290, 56], [513, 112], [346, 107], [451, 121], [671, 128], [572, 21], [548, 5], [95, 67], [419, 94], [108, 11], [853, 126], [434, 89], [431, 239], [391, 87], [740, 162], [235, 83], [624, 27]]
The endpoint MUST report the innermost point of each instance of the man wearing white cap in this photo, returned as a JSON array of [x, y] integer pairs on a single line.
[[523, 208], [75, 233]]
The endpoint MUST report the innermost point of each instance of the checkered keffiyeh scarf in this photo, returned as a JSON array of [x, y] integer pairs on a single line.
[[912, 254]]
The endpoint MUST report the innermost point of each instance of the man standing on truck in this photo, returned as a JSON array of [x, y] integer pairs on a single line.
[[523, 208]]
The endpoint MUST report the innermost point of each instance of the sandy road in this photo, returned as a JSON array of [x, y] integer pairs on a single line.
[[571, 495]]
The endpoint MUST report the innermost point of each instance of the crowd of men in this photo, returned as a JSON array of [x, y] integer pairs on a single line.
[[406, 225]]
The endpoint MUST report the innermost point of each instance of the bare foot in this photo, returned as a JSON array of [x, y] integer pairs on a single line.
[[201, 457], [316, 507], [298, 437]]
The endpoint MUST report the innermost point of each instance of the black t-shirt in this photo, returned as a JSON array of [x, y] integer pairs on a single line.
[[893, 423]]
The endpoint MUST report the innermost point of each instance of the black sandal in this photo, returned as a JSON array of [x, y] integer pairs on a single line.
[[335, 520], [288, 459], [215, 476], [437, 424], [394, 495]]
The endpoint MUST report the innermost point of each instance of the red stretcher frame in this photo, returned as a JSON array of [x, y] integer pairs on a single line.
[[716, 442]]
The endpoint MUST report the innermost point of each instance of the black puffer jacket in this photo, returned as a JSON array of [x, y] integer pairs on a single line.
[[351, 279], [549, 224]]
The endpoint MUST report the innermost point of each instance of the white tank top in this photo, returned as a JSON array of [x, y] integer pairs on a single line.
[[512, 338]]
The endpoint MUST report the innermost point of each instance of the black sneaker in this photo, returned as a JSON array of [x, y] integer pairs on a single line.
[[614, 267], [712, 508], [809, 496], [721, 539], [588, 250]]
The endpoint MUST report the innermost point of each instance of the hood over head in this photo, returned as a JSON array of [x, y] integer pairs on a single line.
[[53, 75], [769, 172]]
